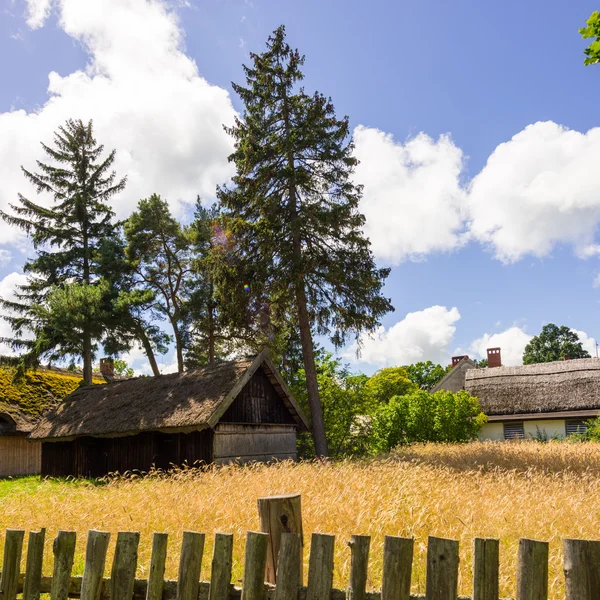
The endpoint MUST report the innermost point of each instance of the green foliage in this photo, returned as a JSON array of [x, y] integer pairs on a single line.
[[123, 369], [425, 374], [423, 417], [592, 30], [553, 343], [345, 406], [389, 382], [482, 364]]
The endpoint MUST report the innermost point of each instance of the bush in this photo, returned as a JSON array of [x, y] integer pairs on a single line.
[[423, 417]]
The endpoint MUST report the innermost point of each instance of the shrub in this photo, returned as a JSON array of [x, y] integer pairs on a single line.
[[423, 417]]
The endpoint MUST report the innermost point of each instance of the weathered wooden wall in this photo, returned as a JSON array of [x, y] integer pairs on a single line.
[[95, 457], [19, 456], [258, 402], [253, 442]]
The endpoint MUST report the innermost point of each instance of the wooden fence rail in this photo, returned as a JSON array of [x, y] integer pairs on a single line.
[[581, 567]]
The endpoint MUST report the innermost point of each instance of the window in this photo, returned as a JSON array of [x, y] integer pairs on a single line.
[[576, 426], [514, 430]]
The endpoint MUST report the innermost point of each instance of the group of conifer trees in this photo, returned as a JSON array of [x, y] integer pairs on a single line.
[[279, 259]]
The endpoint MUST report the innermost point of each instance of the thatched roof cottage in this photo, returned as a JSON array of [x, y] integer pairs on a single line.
[[554, 398], [238, 410]]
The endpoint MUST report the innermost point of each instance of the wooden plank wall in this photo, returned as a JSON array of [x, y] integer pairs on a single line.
[[19, 456], [248, 442]]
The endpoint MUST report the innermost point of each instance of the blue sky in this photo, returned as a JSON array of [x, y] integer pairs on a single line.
[[476, 134]]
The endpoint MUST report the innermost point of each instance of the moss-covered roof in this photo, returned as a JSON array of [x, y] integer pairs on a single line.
[[39, 391]]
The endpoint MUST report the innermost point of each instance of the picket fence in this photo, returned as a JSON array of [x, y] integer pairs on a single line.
[[582, 569]]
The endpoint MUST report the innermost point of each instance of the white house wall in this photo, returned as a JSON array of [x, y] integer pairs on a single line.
[[495, 431]]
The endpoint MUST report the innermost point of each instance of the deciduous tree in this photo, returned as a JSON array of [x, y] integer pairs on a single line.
[[592, 30], [553, 343]]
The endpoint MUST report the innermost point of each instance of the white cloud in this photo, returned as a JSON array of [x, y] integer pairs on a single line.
[[511, 342], [588, 343], [138, 361], [412, 198], [540, 189], [147, 101], [421, 335], [37, 12]]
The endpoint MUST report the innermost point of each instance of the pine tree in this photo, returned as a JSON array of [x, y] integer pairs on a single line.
[[293, 210], [65, 236], [158, 249]]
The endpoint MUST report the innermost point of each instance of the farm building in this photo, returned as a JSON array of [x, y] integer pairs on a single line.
[[454, 380], [554, 398], [21, 404], [18, 456], [239, 410]]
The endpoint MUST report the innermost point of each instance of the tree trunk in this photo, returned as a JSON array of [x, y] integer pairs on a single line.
[[87, 356], [141, 334], [211, 331], [308, 356], [178, 344]]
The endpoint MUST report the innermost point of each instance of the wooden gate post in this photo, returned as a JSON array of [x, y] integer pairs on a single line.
[[279, 514]]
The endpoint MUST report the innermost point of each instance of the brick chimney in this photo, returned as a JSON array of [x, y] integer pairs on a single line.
[[457, 359], [107, 368], [493, 357]]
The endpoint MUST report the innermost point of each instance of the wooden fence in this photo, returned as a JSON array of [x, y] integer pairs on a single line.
[[582, 569]]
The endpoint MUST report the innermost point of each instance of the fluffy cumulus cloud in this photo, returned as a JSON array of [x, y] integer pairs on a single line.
[[412, 199], [537, 190], [511, 342], [145, 96], [540, 189], [421, 335]]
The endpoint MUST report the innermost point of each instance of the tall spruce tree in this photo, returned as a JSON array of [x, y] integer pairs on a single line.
[[293, 210], [65, 236]]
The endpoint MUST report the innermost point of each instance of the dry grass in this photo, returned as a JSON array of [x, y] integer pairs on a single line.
[[540, 491]]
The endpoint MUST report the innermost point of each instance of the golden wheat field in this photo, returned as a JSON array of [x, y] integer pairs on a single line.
[[540, 491]]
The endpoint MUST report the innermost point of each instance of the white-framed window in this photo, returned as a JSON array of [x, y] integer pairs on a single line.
[[514, 430]]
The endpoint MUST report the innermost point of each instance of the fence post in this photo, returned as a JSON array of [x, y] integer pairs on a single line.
[[190, 563], [253, 586], [158, 561], [33, 568], [13, 548], [279, 514], [397, 568], [64, 552], [359, 562], [122, 576], [220, 577], [95, 559], [288, 570], [582, 569], [532, 570], [320, 567], [442, 569], [486, 563]]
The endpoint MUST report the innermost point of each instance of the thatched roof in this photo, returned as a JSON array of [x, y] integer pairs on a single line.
[[181, 402], [13, 421], [541, 388]]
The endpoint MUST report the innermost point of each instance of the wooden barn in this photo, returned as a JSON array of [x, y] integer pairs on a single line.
[[234, 411], [18, 456]]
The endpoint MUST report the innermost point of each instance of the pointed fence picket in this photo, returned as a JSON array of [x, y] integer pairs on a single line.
[[582, 569]]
